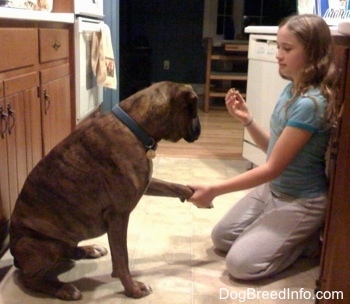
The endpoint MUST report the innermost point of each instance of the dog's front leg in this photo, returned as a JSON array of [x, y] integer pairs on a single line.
[[159, 187], [117, 238]]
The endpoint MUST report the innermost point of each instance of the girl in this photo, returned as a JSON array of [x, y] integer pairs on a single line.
[[278, 220]]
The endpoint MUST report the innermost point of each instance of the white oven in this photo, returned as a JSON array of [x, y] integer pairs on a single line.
[[88, 19], [89, 8]]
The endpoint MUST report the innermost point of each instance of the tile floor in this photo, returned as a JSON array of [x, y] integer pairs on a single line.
[[170, 250]]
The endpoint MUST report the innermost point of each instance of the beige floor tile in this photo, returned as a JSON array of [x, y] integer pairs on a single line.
[[224, 298], [295, 285]]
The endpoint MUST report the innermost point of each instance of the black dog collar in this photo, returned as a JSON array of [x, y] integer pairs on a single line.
[[147, 141]]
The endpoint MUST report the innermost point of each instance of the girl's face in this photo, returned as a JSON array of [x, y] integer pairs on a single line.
[[290, 54]]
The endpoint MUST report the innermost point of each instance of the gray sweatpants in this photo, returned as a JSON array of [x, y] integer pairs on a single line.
[[265, 232]]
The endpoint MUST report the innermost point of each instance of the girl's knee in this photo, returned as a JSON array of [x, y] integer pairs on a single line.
[[237, 268], [241, 266]]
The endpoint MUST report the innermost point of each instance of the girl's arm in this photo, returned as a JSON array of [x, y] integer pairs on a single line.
[[237, 107], [286, 148]]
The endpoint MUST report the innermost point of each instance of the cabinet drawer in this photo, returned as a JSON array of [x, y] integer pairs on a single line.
[[53, 44], [19, 48]]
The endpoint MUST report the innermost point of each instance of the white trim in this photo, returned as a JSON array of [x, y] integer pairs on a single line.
[[25, 14]]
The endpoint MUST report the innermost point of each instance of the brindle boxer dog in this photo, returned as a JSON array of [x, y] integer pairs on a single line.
[[89, 184]]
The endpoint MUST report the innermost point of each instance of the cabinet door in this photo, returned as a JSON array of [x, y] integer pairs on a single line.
[[4, 183], [56, 106], [23, 133]]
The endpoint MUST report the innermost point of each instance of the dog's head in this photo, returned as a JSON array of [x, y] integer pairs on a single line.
[[183, 101], [166, 110]]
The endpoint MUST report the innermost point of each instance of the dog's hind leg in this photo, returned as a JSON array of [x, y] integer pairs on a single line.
[[159, 187], [52, 286], [38, 261]]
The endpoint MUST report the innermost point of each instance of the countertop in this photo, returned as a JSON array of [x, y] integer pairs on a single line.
[[23, 14], [260, 29], [272, 30]]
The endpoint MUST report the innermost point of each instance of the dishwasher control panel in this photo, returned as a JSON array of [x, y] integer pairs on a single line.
[[262, 47]]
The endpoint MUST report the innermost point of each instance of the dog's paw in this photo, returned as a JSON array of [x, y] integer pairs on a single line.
[[96, 251], [89, 252], [139, 290], [68, 292]]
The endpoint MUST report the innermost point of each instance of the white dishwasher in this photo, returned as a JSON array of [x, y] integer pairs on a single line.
[[264, 85]]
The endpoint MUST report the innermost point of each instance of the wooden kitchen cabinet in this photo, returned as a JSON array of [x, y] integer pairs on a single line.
[[36, 101], [20, 141], [335, 267]]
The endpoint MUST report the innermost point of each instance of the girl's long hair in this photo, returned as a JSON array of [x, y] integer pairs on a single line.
[[320, 70]]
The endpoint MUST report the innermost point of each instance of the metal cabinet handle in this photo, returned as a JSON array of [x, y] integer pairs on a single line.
[[11, 114], [46, 101], [56, 45], [4, 123]]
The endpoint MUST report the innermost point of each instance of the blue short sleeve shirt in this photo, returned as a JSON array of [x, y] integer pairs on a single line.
[[305, 176]]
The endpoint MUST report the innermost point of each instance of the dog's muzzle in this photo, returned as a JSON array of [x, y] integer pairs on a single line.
[[194, 130]]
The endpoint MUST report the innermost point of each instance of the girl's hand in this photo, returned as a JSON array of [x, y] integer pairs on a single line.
[[237, 106], [202, 196]]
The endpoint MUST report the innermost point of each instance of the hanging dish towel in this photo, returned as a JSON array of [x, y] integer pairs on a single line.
[[102, 58]]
